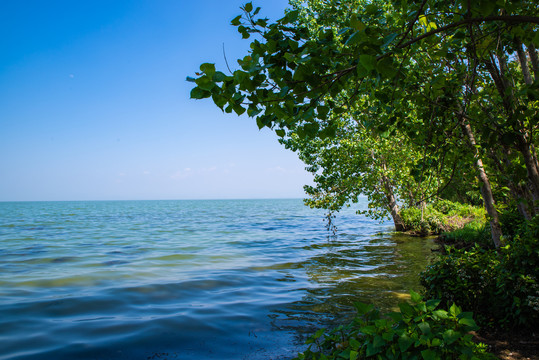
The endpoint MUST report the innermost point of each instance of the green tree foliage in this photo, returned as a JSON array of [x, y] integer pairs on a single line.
[[455, 83]]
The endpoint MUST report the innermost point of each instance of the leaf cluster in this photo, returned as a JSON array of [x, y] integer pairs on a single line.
[[418, 331]]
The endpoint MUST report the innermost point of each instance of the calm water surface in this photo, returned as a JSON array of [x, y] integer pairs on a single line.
[[238, 279]]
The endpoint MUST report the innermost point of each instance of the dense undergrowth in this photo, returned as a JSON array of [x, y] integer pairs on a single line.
[[439, 217], [499, 287]]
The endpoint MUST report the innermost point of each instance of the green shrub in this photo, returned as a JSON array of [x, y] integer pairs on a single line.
[[476, 232], [511, 222], [430, 223], [440, 216], [417, 331], [500, 287], [450, 208]]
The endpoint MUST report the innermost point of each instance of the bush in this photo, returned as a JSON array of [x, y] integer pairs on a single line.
[[440, 216], [500, 287], [417, 331], [473, 233], [430, 223]]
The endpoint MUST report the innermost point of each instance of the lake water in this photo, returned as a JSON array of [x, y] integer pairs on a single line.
[[228, 279]]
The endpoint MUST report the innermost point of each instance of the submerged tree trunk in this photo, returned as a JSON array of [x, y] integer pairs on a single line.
[[486, 190]]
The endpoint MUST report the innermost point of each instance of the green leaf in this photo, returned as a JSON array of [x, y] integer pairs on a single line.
[[218, 76], [429, 355], [363, 308], [486, 7], [368, 330], [249, 7], [355, 38], [450, 336], [386, 67], [356, 24], [405, 342], [353, 355], [432, 304], [322, 111], [198, 93], [208, 69], [190, 79], [238, 109], [440, 314], [424, 327], [240, 76], [205, 83], [354, 344], [378, 341], [468, 322], [396, 316], [371, 9], [367, 61], [406, 309], [372, 350], [454, 310], [253, 111], [236, 21], [290, 17], [218, 100], [319, 332], [416, 298], [389, 39]]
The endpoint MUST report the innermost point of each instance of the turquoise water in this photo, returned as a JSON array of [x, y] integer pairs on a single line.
[[228, 279]]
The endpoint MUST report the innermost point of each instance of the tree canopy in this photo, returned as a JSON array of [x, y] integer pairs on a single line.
[[396, 99]]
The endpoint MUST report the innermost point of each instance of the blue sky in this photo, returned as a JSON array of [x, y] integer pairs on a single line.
[[94, 105]]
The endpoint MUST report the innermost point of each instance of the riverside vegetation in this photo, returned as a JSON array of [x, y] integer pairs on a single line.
[[428, 108]]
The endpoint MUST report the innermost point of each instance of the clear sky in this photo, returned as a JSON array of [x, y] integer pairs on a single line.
[[94, 104]]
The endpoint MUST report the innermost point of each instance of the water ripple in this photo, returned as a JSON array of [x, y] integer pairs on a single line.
[[187, 279]]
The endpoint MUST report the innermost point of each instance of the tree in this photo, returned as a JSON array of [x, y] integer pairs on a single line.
[[439, 74]]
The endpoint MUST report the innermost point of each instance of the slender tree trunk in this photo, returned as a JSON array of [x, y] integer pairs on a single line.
[[504, 88], [523, 62], [520, 193], [531, 166], [486, 190], [392, 203], [534, 60]]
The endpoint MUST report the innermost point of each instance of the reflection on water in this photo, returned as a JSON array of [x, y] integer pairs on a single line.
[[188, 279]]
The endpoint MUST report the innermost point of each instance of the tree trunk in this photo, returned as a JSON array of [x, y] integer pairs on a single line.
[[521, 194], [531, 166], [392, 203], [523, 62], [486, 191], [504, 88], [534, 60]]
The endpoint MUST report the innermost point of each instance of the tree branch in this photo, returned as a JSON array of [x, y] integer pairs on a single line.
[[505, 18]]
